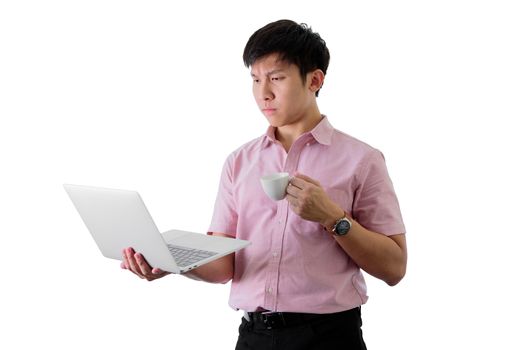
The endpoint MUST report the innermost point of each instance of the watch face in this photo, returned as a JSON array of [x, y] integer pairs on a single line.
[[343, 227]]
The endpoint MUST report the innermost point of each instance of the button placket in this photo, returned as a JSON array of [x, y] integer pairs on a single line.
[[276, 250]]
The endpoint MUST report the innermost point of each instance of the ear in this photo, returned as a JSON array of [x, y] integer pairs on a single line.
[[316, 80]]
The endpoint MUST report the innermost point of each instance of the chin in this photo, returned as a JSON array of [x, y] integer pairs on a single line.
[[275, 124], [275, 121]]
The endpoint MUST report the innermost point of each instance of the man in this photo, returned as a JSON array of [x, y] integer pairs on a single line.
[[300, 283]]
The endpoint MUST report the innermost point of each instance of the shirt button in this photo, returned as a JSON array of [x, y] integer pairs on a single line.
[[275, 254], [269, 290]]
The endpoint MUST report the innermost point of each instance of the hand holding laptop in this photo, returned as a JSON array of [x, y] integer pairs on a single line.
[[137, 264]]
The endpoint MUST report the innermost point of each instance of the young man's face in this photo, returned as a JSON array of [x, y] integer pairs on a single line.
[[281, 94]]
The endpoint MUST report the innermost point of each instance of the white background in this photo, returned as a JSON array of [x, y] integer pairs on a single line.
[[153, 96]]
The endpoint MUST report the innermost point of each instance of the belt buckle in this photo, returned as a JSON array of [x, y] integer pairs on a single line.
[[273, 319]]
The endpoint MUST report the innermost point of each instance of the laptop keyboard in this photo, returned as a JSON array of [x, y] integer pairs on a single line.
[[186, 256]]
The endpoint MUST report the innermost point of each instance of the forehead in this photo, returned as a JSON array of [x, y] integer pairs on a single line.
[[271, 63]]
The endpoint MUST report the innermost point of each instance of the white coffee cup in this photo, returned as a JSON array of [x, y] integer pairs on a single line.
[[275, 185]]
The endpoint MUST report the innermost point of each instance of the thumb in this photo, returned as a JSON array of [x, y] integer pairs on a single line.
[[306, 178]]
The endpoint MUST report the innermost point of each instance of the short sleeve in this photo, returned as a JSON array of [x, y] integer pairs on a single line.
[[375, 204], [225, 216]]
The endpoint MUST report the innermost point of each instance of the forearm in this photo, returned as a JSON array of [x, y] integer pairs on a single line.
[[218, 271], [379, 255]]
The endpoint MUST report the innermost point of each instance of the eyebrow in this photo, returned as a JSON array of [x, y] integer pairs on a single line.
[[274, 71]]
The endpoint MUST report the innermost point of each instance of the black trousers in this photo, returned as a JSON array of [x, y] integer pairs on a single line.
[[328, 332]]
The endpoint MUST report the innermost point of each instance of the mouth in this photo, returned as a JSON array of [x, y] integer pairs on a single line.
[[269, 111]]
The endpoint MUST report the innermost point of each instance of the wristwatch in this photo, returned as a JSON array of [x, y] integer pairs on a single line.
[[342, 227]]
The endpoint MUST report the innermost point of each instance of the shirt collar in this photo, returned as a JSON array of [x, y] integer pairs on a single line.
[[322, 133]]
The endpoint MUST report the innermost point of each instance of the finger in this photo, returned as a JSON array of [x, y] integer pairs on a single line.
[[300, 182], [157, 271], [133, 266], [304, 179], [144, 267], [293, 190], [292, 200], [125, 260], [297, 182]]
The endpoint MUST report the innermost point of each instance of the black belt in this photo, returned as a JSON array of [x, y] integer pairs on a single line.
[[275, 320]]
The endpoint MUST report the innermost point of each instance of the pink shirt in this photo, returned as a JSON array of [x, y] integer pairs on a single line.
[[293, 265]]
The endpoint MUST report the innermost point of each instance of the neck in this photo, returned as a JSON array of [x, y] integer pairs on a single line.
[[288, 134]]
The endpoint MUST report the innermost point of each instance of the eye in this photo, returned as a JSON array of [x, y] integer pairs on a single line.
[[277, 78]]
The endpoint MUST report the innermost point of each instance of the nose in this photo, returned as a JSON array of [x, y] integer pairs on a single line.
[[264, 92]]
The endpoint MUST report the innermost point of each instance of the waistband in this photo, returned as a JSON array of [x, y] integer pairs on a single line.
[[276, 320]]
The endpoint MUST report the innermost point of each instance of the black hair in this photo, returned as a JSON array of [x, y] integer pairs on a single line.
[[295, 43]]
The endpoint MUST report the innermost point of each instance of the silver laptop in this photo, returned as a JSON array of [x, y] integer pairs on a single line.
[[118, 219]]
